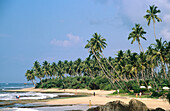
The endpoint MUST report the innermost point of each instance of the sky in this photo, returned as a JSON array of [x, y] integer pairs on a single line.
[[56, 30]]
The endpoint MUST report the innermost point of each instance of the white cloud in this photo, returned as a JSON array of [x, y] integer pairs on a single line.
[[166, 33], [72, 39]]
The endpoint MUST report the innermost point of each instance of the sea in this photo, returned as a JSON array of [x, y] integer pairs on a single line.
[[9, 102]]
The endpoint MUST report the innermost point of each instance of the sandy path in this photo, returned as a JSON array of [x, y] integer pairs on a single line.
[[99, 99]]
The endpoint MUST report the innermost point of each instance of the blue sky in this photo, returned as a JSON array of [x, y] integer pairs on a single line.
[[55, 30]]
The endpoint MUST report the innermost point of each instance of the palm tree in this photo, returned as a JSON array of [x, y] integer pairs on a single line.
[[142, 58], [30, 76], [38, 71], [167, 56], [87, 67], [70, 68], [136, 34], [95, 46], [78, 66], [61, 70], [135, 65], [151, 64], [152, 14], [46, 69], [159, 53], [54, 69]]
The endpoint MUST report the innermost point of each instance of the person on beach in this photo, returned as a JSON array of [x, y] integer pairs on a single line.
[[136, 95], [140, 94], [118, 91], [17, 97], [94, 94]]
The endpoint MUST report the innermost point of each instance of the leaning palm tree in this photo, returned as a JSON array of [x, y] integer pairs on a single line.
[[96, 46], [152, 14], [136, 34]]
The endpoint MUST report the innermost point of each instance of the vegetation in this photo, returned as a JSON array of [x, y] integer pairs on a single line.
[[152, 14], [127, 71]]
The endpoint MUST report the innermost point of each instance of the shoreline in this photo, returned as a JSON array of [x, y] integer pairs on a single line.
[[101, 97]]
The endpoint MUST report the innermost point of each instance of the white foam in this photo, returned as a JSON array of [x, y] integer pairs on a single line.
[[24, 109], [19, 87], [27, 95]]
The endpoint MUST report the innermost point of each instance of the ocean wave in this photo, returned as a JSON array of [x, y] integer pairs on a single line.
[[27, 95], [19, 109]]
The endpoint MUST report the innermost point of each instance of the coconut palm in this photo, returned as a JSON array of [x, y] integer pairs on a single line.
[[30, 76], [78, 66], [135, 66], [142, 59], [54, 69], [167, 56], [69, 68], [137, 33], [96, 45], [152, 14], [61, 71], [38, 71], [88, 67], [159, 53], [46, 69]]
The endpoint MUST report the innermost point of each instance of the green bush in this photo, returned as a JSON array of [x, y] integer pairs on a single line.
[[107, 87], [136, 89]]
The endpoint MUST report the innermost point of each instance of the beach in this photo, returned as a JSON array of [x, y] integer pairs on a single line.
[[101, 97]]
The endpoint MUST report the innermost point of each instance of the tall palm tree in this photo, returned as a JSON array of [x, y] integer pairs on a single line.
[[54, 69], [88, 67], [70, 68], [30, 76], [38, 71], [159, 53], [152, 14], [142, 58], [95, 46], [135, 65], [61, 70], [46, 69], [136, 34], [78, 66], [167, 56]]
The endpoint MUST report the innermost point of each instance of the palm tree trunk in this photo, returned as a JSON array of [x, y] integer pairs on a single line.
[[137, 78], [163, 67], [114, 70], [33, 83], [154, 30], [103, 70], [142, 74], [139, 47], [152, 71]]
